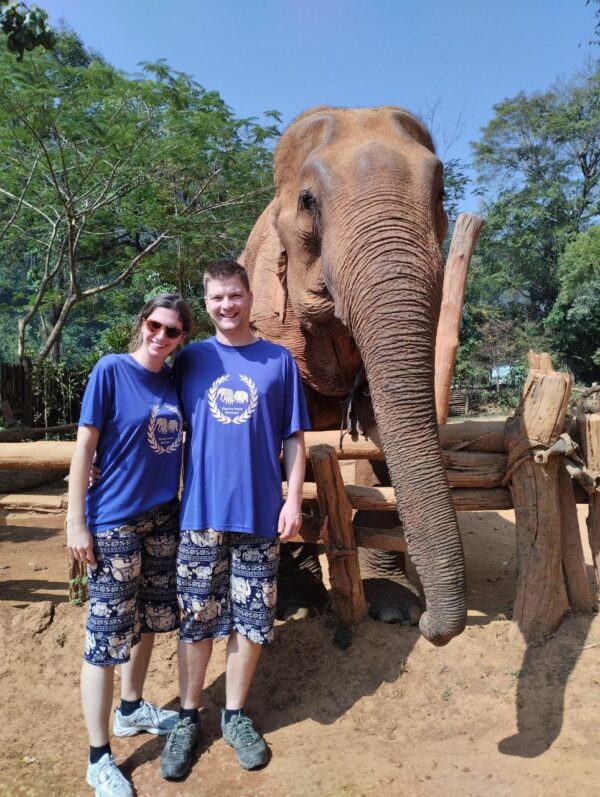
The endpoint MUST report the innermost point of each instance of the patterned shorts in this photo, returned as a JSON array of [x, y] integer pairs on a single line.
[[132, 588], [226, 582]]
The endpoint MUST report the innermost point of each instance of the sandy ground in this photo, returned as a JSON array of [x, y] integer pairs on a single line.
[[391, 714]]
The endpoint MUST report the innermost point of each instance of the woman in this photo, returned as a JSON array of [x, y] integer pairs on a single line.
[[125, 528]]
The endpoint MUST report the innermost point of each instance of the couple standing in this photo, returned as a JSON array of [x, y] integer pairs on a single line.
[[209, 566]]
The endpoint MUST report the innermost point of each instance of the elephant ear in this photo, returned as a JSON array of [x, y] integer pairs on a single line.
[[265, 260]]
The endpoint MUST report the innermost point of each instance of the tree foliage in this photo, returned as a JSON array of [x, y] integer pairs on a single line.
[[538, 164], [25, 28], [112, 183]]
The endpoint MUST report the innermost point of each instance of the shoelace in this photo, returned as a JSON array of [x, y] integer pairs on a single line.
[[180, 736], [111, 775], [243, 730]]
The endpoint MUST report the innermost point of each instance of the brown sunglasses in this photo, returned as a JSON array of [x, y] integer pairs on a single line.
[[155, 326]]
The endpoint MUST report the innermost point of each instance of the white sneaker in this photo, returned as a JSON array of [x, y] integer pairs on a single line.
[[108, 780], [146, 719]]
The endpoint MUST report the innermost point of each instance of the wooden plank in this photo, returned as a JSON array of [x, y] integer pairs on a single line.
[[34, 502], [464, 238], [347, 594], [589, 437], [578, 588]]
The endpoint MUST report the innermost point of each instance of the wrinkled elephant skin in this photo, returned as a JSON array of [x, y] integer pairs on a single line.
[[346, 269]]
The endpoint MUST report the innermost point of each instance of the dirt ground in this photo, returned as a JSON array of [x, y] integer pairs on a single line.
[[390, 714]]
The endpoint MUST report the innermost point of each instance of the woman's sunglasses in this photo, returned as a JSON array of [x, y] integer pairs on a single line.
[[155, 326]]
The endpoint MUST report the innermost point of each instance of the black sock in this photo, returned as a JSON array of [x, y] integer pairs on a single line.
[[96, 753], [189, 713], [127, 707], [228, 713]]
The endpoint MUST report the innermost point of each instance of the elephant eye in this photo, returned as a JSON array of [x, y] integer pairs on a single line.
[[306, 201]]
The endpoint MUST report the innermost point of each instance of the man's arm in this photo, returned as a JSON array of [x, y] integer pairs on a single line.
[[294, 461]]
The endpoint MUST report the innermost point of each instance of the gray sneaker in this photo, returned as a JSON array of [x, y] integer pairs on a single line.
[[146, 719], [250, 747], [107, 779], [176, 757]]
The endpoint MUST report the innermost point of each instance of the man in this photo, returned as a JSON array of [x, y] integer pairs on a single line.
[[242, 398]]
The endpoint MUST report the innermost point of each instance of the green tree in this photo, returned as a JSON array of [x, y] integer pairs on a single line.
[[574, 322], [25, 28], [538, 165], [110, 178]]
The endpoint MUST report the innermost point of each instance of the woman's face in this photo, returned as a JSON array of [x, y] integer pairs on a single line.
[[157, 341]]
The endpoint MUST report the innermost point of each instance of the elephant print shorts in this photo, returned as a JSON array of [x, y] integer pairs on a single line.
[[133, 588], [226, 582]]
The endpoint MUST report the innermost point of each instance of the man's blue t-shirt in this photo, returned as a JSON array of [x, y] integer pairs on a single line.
[[139, 450], [240, 403]]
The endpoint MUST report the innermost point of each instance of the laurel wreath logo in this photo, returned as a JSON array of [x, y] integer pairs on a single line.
[[243, 416], [154, 444]]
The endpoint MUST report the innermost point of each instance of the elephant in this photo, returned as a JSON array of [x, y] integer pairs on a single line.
[[347, 272]]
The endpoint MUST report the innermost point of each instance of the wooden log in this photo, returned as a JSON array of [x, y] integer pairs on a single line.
[[33, 502], [482, 436], [474, 468], [20, 433], [589, 438], [541, 600], [578, 588], [464, 238], [41, 455], [473, 436], [384, 499], [347, 594]]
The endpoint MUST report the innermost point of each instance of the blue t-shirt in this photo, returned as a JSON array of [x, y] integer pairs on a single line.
[[240, 403], [139, 449]]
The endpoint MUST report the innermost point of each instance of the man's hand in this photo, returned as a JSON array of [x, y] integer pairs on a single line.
[[80, 542], [95, 474], [290, 520]]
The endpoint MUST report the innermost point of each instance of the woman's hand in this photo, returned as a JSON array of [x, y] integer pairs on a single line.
[[80, 542]]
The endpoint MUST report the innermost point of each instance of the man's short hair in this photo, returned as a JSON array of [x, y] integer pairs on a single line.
[[224, 269]]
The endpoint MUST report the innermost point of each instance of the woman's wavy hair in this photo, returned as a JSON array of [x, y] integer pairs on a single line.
[[170, 301]]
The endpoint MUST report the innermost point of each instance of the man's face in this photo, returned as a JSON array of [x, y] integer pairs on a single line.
[[228, 304]]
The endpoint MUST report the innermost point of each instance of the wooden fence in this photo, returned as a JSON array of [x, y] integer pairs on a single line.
[[44, 394]]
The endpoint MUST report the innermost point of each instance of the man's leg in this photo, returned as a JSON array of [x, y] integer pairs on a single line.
[[253, 595], [202, 596], [242, 659], [193, 658]]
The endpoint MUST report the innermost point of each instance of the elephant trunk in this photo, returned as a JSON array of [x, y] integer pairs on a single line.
[[391, 309]]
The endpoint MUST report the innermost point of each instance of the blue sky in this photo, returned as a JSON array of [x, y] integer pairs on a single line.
[[457, 56]]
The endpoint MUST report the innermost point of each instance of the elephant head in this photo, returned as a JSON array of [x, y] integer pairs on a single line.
[[346, 268]]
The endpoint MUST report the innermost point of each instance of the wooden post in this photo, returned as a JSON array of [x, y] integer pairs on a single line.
[[348, 597], [541, 600], [463, 242], [589, 437], [578, 588]]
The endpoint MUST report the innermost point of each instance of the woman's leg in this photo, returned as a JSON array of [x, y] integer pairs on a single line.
[[96, 697], [133, 672]]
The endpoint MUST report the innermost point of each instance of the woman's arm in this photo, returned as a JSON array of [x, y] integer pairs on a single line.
[[79, 539]]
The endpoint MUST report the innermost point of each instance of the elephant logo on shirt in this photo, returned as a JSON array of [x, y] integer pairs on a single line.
[[232, 406], [165, 433]]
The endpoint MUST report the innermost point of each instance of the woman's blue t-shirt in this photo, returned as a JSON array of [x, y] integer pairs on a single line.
[[139, 449]]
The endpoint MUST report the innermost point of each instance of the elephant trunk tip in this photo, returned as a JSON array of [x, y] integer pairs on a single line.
[[439, 632]]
